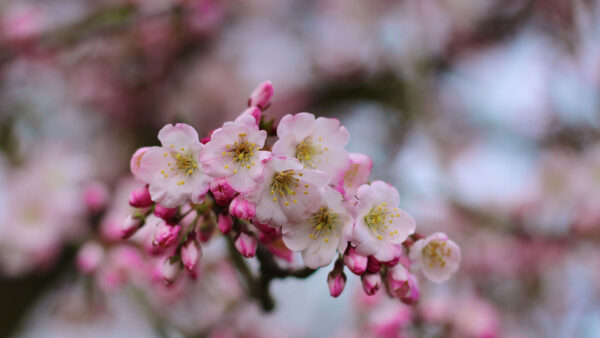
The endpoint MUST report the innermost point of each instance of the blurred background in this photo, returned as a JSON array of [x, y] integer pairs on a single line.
[[484, 114]]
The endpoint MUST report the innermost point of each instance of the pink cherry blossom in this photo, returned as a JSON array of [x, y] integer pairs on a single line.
[[356, 175], [242, 208], [336, 280], [316, 143], [172, 170], [437, 256], [190, 254], [287, 191], [246, 245], [371, 283], [136, 162], [322, 232], [165, 234], [224, 222], [355, 262], [140, 198], [222, 192], [170, 270], [380, 225], [402, 284], [261, 96], [233, 152], [130, 226]]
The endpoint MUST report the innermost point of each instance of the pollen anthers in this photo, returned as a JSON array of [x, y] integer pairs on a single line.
[[324, 223], [284, 185], [307, 150], [436, 253], [242, 152], [184, 164], [379, 218], [351, 174]]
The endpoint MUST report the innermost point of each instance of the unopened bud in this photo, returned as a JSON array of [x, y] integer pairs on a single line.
[[140, 198], [371, 283], [355, 262], [246, 245], [261, 96], [225, 222], [242, 208]]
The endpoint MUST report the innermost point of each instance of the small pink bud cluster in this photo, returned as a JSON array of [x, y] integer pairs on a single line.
[[304, 193]]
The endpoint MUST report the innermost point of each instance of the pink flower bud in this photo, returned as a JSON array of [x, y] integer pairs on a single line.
[[355, 262], [89, 257], [246, 245], [95, 196], [371, 283], [373, 264], [254, 112], [136, 159], [165, 234], [225, 222], [170, 270], [242, 208], [222, 191], [261, 96], [164, 213], [140, 198], [190, 255], [267, 233], [336, 280], [402, 284], [130, 226]]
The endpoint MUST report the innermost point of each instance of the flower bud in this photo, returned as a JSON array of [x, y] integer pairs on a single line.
[[190, 254], [355, 262], [130, 226], [371, 283], [164, 213], [242, 208], [267, 233], [402, 284], [336, 280], [136, 159], [373, 264], [246, 245], [89, 257], [165, 234], [222, 191], [170, 270], [140, 198], [225, 222], [261, 96], [254, 112]]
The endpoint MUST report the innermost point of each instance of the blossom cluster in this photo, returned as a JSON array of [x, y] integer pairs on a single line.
[[290, 187]]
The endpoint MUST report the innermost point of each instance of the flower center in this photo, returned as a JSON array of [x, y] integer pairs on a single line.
[[306, 151], [436, 253], [242, 153], [283, 182], [324, 222], [379, 218], [185, 164]]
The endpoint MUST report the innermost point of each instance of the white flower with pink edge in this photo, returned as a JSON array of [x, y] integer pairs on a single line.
[[233, 152], [172, 170], [437, 256], [379, 224], [288, 191], [321, 233], [316, 143]]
